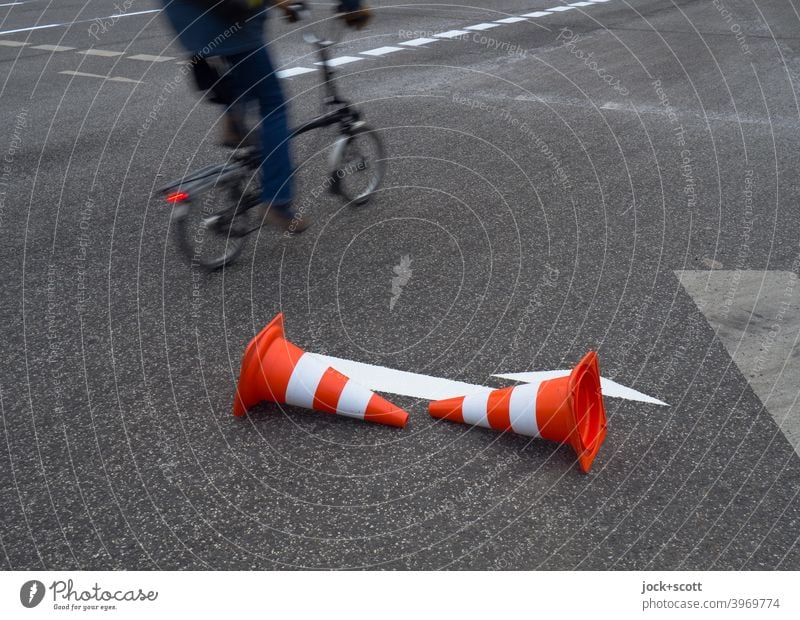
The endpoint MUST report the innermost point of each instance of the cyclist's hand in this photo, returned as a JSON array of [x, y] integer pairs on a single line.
[[356, 19]]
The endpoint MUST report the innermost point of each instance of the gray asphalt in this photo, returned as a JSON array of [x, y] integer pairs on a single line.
[[545, 210]]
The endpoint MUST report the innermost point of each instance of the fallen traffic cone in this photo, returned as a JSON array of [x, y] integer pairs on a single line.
[[568, 410], [276, 370]]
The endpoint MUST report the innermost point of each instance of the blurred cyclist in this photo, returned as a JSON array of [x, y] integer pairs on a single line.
[[232, 31]]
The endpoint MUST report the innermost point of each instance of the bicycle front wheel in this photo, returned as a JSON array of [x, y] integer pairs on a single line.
[[210, 226], [358, 164]]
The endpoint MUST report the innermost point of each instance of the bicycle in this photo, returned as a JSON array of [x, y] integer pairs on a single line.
[[221, 195]]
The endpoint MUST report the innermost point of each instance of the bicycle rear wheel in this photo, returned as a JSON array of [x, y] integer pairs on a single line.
[[358, 164], [211, 225]]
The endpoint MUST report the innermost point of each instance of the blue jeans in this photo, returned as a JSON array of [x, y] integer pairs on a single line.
[[254, 78]]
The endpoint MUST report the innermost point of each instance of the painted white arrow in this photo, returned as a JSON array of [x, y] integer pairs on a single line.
[[609, 387], [383, 379]]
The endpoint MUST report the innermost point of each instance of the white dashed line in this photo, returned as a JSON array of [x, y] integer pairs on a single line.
[[287, 73], [81, 21], [418, 42], [451, 34], [580, 4], [342, 60], [102, 77], [555, 9], [104, 53], [382, 51], [483, 26], [13, 43], [151, 58], [511, 20], [598, 1], [53, 48], [536, 14]]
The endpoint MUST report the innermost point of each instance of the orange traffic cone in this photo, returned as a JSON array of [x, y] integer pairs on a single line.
[[568, 410], [274, 369]]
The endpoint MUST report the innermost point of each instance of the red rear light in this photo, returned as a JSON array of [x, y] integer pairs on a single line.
[[177, 197]]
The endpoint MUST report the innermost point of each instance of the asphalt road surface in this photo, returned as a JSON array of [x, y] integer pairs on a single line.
[[575, 180]]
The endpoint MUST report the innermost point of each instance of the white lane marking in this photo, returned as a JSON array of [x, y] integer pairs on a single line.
[[80, 21], [287, 73], [609, 387], [382, 51], [13, 43], [511, 20], [417, 42], [555, 9], [151, 58], [536, 14], [451, 34], [580, 3], [53, 48], [104, 53], [341, 60], [483, 26], [383, 379], [12, 3], [599, 1], [102, 77]]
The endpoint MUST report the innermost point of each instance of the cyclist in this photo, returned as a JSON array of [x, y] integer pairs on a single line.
[[233, 31]]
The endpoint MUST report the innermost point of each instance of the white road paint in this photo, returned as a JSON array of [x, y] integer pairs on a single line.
[[580, 4], [418, 42], [511, 20], [536, 14], [555, 9], [341, 60], [7, 43], [383, 379], [102, 77], [610, 388], [79, 21], [151, 58], [53, 48], [104, 53], [484, 26], [451, 34], [12, 3], [382, 51], [287, 73]]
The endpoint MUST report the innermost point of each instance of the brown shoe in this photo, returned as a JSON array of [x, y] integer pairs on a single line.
[[291, 222]]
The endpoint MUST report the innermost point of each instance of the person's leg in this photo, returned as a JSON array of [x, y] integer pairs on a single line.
[[255, 78]]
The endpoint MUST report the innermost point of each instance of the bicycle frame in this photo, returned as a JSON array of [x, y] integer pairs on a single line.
[[344, 115]]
